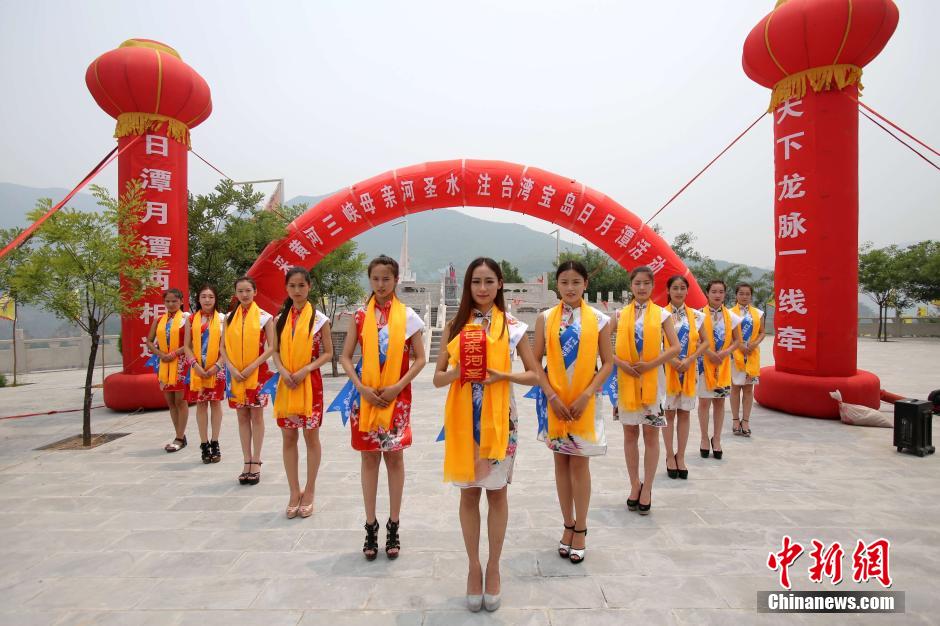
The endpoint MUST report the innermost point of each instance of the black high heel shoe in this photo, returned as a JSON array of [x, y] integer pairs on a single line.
[[683, 473], [206, 454], [370, 549], [644, 509], [672, 473], [716, 453], [633, 504], [391, 539], [704, 452]]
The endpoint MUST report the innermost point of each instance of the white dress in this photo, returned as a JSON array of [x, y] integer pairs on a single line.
[[648, 414], [739, 377], [491, 474], [679, 402], [718, 328], [573, 444]]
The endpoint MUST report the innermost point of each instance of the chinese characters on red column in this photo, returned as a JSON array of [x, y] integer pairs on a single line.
[[158, 163], [795, 203]]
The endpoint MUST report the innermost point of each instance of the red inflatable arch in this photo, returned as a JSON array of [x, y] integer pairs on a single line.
[[467, 182]]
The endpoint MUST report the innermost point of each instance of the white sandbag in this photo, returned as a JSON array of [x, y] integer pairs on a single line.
[[859, 415]]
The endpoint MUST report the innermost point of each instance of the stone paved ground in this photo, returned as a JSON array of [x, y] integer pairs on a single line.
[[126, 534]]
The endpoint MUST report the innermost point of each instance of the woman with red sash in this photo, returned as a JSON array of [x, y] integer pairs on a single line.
[[480, 417]]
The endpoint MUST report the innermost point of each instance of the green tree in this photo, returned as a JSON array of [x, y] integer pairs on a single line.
[[335, 284], [336, 279], [8, 287], [510, 272], [228, 229], [920, 266], [763, 291], [604, 274], [74, 265], [881, 276], [704, 269]]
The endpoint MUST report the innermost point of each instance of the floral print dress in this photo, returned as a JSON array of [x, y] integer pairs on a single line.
[[492, 474]]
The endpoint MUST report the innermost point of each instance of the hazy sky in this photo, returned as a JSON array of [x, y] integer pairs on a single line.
[[631, 98]]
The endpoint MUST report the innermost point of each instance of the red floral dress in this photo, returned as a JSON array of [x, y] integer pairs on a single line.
[[253, 397], [315, 419], [182, 364], [215, 393], [398, 437]]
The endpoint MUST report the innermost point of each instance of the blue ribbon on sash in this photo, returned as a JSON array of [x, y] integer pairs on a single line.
[[349, 396], [718, 334], [683, 332], [610, 388], [747, 325], [570, 342]]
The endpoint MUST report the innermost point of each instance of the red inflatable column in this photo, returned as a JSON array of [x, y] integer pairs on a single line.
[[156, 99], [811, 53]]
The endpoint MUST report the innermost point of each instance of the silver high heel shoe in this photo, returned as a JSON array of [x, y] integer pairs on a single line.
[[492, 602], [474, 603]]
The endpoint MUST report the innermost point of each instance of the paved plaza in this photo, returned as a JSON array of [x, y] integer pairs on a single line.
[[127, 534]]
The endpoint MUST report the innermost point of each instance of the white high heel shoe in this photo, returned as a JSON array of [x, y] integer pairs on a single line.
[[492, 602], [474, 602]]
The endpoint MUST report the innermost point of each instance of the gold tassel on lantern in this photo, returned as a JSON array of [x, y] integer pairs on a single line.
[[819, 79], [140, 123]]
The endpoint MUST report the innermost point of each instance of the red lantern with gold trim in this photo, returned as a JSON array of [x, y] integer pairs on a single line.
[[811, 54], [151, 92]]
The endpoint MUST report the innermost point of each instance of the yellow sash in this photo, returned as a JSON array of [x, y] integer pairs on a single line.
[[751, 366], [242, 339], [717, 376], [371, 416], [634, 393], [197, 383], [494, 418], [168, 369], [687, 386], [296, 349], [584, 369]]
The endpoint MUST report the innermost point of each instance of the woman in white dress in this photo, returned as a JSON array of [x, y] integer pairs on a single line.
[[721, 331], [745, 362], [481, 421], [681, 376], [569, 422], [642, 328]]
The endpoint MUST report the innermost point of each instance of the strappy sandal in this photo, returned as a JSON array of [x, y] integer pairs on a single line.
[[215, 455], [371, 546], [254, 478], [746, 432], [391, 539], [176, 445], [577, 556], [243, 477], [736, 430], [206, 455], [564, 549]]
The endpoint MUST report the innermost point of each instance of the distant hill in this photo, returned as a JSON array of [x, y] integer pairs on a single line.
[[16, 201]]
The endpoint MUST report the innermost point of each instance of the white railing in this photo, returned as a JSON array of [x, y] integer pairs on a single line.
[[56, 353]]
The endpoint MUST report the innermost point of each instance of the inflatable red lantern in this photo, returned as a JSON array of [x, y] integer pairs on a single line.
[[150, 91], [811, 54]]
